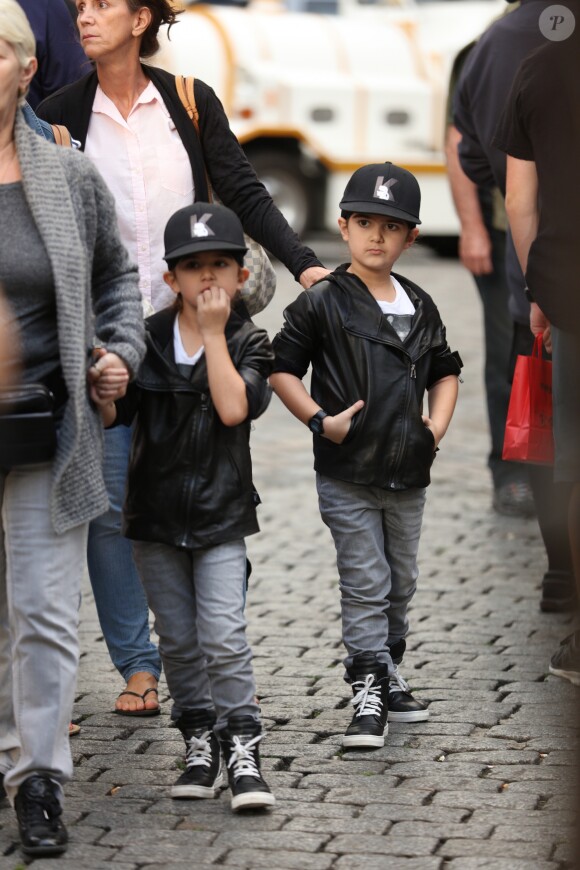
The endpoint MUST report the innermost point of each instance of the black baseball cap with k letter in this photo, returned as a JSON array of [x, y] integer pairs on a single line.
[[383, 188], [203, 226]]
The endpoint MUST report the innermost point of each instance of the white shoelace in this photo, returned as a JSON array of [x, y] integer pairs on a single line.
[[242, 759], [367, 700], [396, 682], [198, 750]]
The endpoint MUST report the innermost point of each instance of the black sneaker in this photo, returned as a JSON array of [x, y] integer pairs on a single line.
[[566, 660], [403, 707], [558, 592], [514, 500], [370, 682], [39, 813], [203, 776], [239, 742]]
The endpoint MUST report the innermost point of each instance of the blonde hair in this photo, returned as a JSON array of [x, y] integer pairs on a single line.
[[15, 30]]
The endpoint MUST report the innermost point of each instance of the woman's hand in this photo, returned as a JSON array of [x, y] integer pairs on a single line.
[[108, 377], [213, 311], [313, 274], [337, 428]]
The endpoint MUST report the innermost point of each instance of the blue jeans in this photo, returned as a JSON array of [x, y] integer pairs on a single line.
[[376, 534], [119, 595], [198, 599]]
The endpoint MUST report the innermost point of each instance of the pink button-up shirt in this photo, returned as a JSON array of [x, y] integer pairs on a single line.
[[147, 169]]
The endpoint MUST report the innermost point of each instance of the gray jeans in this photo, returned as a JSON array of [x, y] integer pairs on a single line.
[[40, 585], [376, 534], [197, 597]]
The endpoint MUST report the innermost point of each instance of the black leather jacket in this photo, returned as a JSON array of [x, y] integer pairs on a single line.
[[356, 354], [190, 477]]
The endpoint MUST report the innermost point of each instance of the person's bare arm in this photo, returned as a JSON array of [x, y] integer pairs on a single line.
[[226, 385], [441, 401], [292, 392], [474, 240], [521, 204], [522, 210], [9, 347], [108, 413]]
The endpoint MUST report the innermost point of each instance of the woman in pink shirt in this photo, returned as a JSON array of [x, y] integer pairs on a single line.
[[130, 121]]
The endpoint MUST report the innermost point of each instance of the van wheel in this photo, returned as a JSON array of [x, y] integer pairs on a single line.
[[281, 175]]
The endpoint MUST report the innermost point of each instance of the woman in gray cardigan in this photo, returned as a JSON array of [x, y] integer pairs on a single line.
[[67, 279]]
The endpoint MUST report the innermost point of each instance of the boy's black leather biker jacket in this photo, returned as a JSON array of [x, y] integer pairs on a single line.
[[190, 477], [355, 353]]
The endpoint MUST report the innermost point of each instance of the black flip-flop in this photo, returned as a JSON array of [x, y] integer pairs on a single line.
[[155, 711]]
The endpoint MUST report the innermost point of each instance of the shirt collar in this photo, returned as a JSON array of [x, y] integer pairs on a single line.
[[102, 104]]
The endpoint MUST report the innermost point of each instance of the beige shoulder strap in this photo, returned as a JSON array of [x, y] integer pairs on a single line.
[[61, 135], [185, 91]]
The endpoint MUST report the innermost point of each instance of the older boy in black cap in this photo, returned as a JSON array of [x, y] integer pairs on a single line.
[[376, 343]]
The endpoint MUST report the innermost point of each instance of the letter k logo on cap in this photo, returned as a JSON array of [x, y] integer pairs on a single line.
[[199, 226]]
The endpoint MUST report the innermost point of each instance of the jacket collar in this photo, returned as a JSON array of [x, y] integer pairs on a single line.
[[160, 368], [363, 316]]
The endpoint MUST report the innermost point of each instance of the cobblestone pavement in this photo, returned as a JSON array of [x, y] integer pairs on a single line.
[[485, 783]]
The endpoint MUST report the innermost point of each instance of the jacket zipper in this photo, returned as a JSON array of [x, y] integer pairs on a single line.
[[412, 375], [198, 429]]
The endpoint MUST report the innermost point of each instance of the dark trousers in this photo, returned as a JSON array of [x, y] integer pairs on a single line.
[[551, 499], [498, 332]]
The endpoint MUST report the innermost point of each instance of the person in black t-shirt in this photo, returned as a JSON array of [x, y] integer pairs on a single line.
[[540, 132], [479, 99]]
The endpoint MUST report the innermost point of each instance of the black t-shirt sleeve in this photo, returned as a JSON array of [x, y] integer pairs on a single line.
[[512, 133], [472, 153]]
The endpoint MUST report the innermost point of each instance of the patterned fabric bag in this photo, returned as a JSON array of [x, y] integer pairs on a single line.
[[261, 285]]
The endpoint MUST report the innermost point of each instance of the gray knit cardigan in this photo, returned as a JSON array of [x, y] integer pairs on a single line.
[[97, 294]]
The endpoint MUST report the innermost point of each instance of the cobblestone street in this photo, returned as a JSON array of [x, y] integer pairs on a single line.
[[487, 782]]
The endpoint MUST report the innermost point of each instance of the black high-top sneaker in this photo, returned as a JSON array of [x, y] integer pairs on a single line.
[[203, 776], [239, 742], [370, 682], [403, 707], [39, 814]]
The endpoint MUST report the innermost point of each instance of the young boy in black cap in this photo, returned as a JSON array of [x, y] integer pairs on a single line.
[[190, 499], [376, 343]]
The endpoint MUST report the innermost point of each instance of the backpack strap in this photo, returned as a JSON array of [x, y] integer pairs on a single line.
[[61, 135], [185, 92], [184, 85]]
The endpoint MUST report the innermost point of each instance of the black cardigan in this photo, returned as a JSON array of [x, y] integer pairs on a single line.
[[216, 150]]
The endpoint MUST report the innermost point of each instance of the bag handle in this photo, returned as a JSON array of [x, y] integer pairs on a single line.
[[538, 347], [186, 93], [61, 135]]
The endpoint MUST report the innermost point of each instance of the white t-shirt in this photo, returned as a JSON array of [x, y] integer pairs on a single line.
[[181, 356], [400, 311]]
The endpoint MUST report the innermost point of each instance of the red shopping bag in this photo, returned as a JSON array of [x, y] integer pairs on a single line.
[[528, 431]]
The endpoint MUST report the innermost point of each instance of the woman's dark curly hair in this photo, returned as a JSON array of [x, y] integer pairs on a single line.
[[162, 12]]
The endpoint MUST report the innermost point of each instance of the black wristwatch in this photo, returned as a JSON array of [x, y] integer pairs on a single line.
[[315, 423]]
